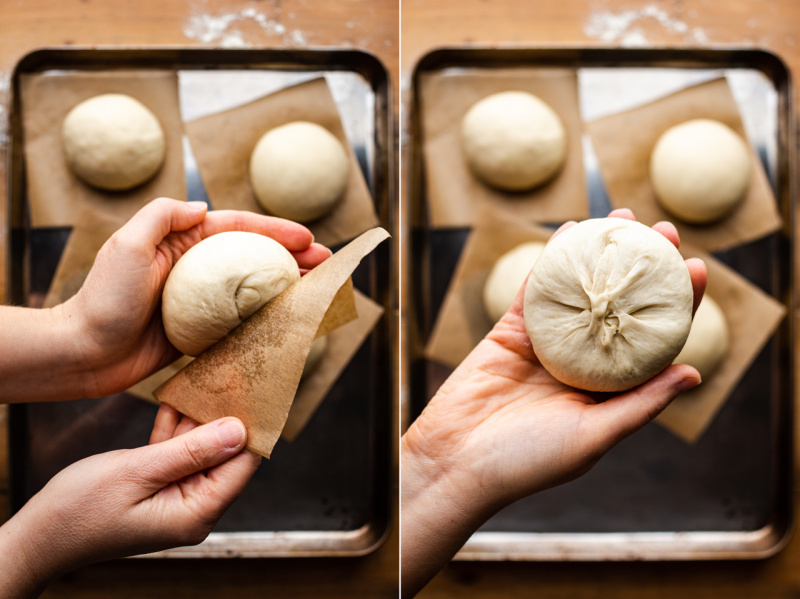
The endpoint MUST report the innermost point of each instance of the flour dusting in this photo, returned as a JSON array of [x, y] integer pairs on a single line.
[[225, 29], [624, 27]]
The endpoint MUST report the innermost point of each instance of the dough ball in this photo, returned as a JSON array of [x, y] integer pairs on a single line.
[[507, 276], [513, 141], [113, 141], [608, 304], [700, 170], [708, 341], [318, 349], [218, 283], [299, 171]]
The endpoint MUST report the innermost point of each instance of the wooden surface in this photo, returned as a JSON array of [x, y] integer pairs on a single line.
[[773, 25], [365, 24]]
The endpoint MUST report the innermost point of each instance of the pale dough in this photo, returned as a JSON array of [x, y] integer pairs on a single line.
[[318, 350], [113, 142], [513, 141], [507, 276], [700, 170], [299, 171], [708, 341], [608, 304], [220, 282]]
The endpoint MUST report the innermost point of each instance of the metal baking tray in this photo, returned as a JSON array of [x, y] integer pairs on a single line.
[[653, 497], [330, 492]]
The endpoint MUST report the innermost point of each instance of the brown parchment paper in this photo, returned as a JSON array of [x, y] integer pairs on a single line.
[[623, 143], [462, 321], [55, 194], [222, 144], [752, 317], [144, 388], [454, 193], [91, 230], [343, 343], [253, 372]]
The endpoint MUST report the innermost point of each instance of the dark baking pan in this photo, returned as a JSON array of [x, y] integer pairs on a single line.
[[329, 492], [654, 497]]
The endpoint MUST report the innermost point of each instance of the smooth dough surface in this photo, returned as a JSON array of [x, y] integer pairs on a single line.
[[709, 340], [299, 171], [318, 350], [608, 304], [700, 170], [507, 276], [513, 141], [113, 142], [220, 282]]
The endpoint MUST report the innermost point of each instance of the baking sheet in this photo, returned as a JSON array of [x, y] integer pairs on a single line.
[[300, 503], [654, 496]]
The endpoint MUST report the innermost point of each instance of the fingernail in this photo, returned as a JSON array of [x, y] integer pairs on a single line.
[[689, 382], [231, 433], [197, 205]]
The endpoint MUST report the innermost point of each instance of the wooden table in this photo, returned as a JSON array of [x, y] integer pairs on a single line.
[[740, 23], [366, 24]]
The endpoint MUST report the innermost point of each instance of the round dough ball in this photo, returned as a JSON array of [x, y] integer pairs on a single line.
[[700, 170], [507, 276], [318, 349], [708, 341], [113, 141], [218, 283], [513, 141], [299, 171], [608, 304]]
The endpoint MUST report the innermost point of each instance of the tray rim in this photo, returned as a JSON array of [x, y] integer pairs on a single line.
[[259, 544], [644, 546]]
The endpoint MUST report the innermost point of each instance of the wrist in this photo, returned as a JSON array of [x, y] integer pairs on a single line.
[[23, 561]]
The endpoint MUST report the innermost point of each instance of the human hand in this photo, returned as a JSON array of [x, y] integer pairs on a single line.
[[501, 427], [169, 493], [118, 334]]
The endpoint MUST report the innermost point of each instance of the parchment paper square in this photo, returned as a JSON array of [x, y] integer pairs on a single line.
[[623, 143], [454, 194], [55, 194], [223, 142]]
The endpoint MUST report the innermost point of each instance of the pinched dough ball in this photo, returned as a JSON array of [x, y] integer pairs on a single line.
[[299, 171], [220, 282], [318, 350], [513, 141], [507, 276], [700, 170], [708, 341], [608, 304], [113, 142]]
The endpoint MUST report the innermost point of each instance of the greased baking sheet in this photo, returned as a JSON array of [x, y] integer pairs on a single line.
[[328, 492], [654, 496]]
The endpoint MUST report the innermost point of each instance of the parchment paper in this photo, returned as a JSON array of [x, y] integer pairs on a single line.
[[222, 144], [253, 372], [623, 143], [454, 193], [55, 194], [752, 316], [92, 229], [343, 343], [144, 388], [462, 321]]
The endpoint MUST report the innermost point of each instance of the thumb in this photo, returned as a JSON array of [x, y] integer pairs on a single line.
[[620, 416], [199, 449], [161, 216]]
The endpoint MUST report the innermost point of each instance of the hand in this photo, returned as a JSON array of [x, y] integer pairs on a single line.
[[167, 494], [119, 335], [501, 428]]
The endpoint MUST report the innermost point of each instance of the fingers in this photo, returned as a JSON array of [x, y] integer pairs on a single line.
[[625, 213], [293, 236], [198, 449], [562, 228], [227, 481], [311, 257], [669, 231], [158, 218], [699, 276], [618, 417], [165, 424]]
